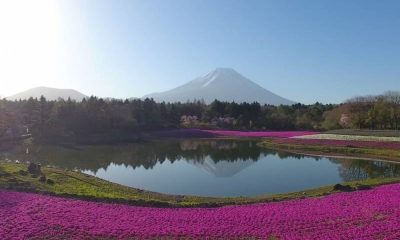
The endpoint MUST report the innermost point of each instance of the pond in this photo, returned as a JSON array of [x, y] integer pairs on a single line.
[[204, 167]]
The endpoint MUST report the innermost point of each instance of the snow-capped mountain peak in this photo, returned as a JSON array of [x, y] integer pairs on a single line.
[[224, 84]]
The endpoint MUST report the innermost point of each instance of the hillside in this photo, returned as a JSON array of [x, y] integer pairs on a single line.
[[49, 94]]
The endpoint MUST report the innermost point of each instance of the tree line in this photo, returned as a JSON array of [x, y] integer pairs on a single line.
[[373, 112], [95, 115]]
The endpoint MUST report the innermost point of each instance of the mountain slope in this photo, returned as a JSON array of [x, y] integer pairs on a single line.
[[224, 84], [49, 94]]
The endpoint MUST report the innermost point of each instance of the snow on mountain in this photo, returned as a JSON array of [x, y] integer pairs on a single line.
[[224, 84]]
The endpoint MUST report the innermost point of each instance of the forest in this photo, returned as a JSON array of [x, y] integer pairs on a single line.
[[96, 115]]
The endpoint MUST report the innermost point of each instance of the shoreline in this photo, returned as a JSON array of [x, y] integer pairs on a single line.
[[81, 186], [378, 154], [77, 185]]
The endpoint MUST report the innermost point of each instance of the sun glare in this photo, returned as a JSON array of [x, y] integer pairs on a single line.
[[31, 44]]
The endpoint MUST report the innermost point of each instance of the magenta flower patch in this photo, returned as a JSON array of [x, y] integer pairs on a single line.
[[370, 214], [278, 134]]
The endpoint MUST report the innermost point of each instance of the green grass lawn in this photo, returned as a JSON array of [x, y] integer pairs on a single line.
[[82, 186]]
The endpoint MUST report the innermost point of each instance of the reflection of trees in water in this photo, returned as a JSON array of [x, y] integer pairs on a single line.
[[145, 155], [350, 169], [283, 155]]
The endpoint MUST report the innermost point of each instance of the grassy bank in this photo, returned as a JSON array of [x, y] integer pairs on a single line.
[[373, 153], [82, 186], [366, 132]]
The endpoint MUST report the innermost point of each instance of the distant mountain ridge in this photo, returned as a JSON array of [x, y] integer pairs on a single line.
[[224, 84], [49, 94]]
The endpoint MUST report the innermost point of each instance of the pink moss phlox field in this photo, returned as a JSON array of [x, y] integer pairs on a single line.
[[370, 214], [286, 134], [341, 143]]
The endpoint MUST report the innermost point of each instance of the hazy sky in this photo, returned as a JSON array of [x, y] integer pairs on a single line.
[[306, 50]]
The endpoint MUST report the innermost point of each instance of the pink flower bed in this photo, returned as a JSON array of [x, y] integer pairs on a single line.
[[370, 214], [341, 143], [278, 134]]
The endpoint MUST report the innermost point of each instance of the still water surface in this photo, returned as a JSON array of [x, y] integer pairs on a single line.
[[205, 167]]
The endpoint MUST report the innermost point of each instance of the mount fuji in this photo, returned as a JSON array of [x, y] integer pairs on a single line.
[[224, 84]]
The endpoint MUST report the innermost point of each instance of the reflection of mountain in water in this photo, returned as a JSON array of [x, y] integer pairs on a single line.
[[219, 157], [147, 155], [222, 168], [187, 145]]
